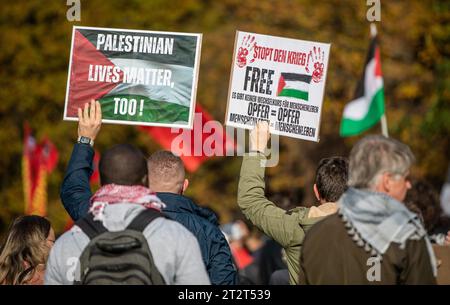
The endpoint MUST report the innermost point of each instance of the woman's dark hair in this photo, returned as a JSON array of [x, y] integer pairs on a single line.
[[422, 197]]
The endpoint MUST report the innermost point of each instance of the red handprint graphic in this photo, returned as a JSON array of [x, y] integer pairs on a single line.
[[317, 56], [247, 45]]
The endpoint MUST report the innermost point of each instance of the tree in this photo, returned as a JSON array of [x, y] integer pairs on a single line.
[[415, 49]]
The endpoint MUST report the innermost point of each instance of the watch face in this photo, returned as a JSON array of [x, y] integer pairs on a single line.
[[85, 140]]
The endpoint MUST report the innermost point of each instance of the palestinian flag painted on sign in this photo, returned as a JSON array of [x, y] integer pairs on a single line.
[[137, 75], [367, 107], [294, 85]]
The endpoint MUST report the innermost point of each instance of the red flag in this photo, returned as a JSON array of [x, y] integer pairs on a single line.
[[49, 155], [29, 167], [37, 161], [207, 138]]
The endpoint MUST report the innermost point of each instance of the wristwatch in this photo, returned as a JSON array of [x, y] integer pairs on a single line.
[[85, 140]]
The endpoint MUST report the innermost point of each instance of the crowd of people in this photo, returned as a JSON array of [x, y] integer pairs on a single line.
[[371, 223]]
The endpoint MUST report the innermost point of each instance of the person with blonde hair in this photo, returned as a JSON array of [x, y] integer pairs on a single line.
[[24, 254]]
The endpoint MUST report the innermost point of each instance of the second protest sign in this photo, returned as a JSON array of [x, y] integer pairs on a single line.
[[278, 80]]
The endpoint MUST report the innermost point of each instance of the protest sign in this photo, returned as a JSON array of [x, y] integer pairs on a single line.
[[139, 77], [278, 80]]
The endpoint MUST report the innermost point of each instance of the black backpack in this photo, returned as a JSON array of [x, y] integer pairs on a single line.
[[122, 257]]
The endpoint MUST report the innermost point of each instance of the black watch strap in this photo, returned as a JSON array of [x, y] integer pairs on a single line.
[[85, 140]]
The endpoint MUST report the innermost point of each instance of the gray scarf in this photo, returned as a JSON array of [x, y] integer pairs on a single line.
[[380, 220]]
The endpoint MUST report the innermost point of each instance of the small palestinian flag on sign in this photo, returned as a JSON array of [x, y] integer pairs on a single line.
[[294, 85]]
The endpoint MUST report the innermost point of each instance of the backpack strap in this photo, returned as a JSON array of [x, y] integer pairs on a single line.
[[91, 227], [141, 221]]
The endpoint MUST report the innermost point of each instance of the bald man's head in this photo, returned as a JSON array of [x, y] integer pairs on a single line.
[[166, 173], [123, 164]]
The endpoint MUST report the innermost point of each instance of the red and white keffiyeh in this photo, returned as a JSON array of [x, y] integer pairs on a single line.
[[113, 193]]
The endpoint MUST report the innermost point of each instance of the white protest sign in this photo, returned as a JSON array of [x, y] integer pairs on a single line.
[[278, 80]]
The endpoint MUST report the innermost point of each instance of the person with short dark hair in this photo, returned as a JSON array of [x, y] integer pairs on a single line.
[[373, 239], [123, 197], [24, 254], [164, 174], [287, 227], [331, 179], [329, 184], [123, 164], [167, 178]]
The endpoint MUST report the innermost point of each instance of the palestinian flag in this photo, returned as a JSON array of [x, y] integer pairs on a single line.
[[294, 85], [160, 103], [368, 105]]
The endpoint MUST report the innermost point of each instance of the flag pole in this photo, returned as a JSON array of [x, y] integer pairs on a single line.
[[384, 129], [383, 120]]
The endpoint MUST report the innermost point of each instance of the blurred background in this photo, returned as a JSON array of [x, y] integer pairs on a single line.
[[414, 37]]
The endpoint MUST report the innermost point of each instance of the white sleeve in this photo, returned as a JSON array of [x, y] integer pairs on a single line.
[[445, 198], [52, 270], [63, 263], [190, 268]]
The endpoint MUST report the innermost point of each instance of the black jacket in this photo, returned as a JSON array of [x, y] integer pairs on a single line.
[[203, 224]]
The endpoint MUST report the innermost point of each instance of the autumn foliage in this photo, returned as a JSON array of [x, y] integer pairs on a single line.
[[414, 39]]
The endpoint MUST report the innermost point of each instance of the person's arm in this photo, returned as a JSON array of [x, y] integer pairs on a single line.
[[75, 189], [418, 270], [263, 213], [221, 269]]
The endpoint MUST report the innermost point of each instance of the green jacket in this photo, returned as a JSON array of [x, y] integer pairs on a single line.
[[286, 227]]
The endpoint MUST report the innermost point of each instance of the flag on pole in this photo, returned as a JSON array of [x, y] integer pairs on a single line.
[[37, 161], [368, 105], [194, 141]]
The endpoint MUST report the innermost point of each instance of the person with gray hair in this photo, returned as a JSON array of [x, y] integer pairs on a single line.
[[381, 164], [374, 238]]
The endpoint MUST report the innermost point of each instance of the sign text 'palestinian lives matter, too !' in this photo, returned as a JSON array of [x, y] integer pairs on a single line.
[[139, 77]]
